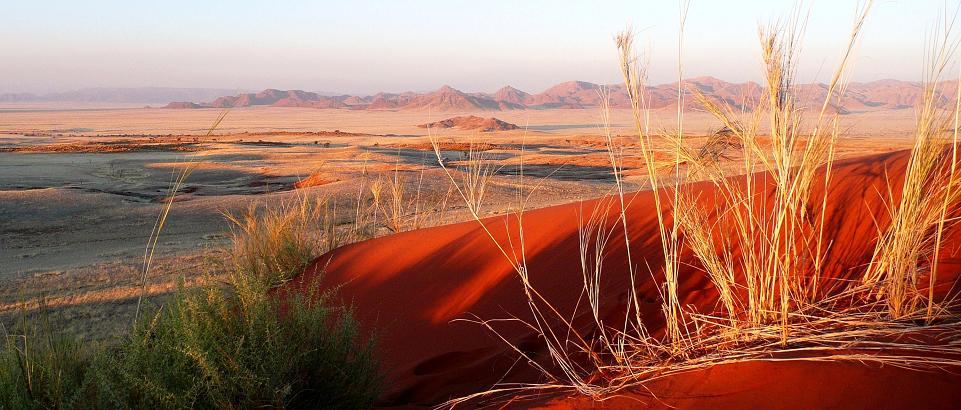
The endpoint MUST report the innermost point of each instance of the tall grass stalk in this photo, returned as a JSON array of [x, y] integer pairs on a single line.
[[927, 195], [401, 210], [558, 340], [277, 242], [779, 247], [161, 222], [760, 240]]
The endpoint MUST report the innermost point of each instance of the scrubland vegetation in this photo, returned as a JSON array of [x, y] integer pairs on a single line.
[[230, 343], [761, 236]]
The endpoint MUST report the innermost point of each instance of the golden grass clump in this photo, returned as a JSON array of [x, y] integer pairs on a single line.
[[475, 172], [275, 243], [780, 245], [761, 239], [401, 209], [928, 198]]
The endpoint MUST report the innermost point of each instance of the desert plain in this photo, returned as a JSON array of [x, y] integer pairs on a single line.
[[82, 187], [176, 232]]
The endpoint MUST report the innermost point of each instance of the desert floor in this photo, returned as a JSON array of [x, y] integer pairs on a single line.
[[82, 187]]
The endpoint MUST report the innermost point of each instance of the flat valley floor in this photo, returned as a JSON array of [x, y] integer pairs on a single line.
[[81, 188]]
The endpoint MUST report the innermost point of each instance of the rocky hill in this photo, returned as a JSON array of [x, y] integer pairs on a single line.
[[471, 122], [869, 96]]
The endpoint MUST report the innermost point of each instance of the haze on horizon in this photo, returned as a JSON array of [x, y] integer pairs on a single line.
[[363, 47]]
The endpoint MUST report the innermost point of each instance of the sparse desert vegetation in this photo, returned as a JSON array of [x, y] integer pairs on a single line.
[[686, 245], [225, 343]]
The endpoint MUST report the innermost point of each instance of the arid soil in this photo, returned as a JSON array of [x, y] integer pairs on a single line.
[[81, 189]]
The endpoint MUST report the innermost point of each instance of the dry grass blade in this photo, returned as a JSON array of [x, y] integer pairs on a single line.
[[761, 239], [927, 196], [158, 227]]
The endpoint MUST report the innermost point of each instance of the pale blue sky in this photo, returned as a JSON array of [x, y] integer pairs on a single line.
[[368, 46]]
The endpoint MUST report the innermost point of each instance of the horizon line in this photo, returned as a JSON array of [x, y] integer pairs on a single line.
[[343, 93]]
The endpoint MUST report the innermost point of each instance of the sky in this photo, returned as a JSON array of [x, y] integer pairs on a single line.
[[362, 47]]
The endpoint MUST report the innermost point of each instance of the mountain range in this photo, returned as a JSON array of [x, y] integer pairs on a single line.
[[859, 97]]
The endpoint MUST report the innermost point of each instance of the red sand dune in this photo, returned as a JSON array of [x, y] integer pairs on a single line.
[[411, 288]]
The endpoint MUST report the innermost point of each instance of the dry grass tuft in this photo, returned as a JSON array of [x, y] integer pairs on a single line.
[[928, 199], [763, 253], [276, 243]]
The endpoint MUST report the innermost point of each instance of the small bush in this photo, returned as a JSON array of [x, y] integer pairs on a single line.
[[209, 347], [214, 348], [221, 345]]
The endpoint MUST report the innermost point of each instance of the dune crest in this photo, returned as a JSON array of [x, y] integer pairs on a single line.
[[421, 290]]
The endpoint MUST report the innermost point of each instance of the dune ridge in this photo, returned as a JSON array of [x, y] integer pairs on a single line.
[[421, 290]]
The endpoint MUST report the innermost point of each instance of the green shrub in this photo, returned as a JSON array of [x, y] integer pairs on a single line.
[[221, 345], [40, 368], [208, 347], [213, 348]]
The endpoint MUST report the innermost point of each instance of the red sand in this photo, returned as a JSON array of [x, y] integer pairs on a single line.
[[315, 179], [412, 287], [786, 385]]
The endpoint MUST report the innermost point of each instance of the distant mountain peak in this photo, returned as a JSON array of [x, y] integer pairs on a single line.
[[511, 95], [870, 96], [448, 89], [510, 89]]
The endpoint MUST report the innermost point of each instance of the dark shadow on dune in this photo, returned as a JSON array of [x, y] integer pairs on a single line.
[[414, 286]]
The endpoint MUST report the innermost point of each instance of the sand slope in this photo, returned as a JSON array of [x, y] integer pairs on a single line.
[[413, 287]]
